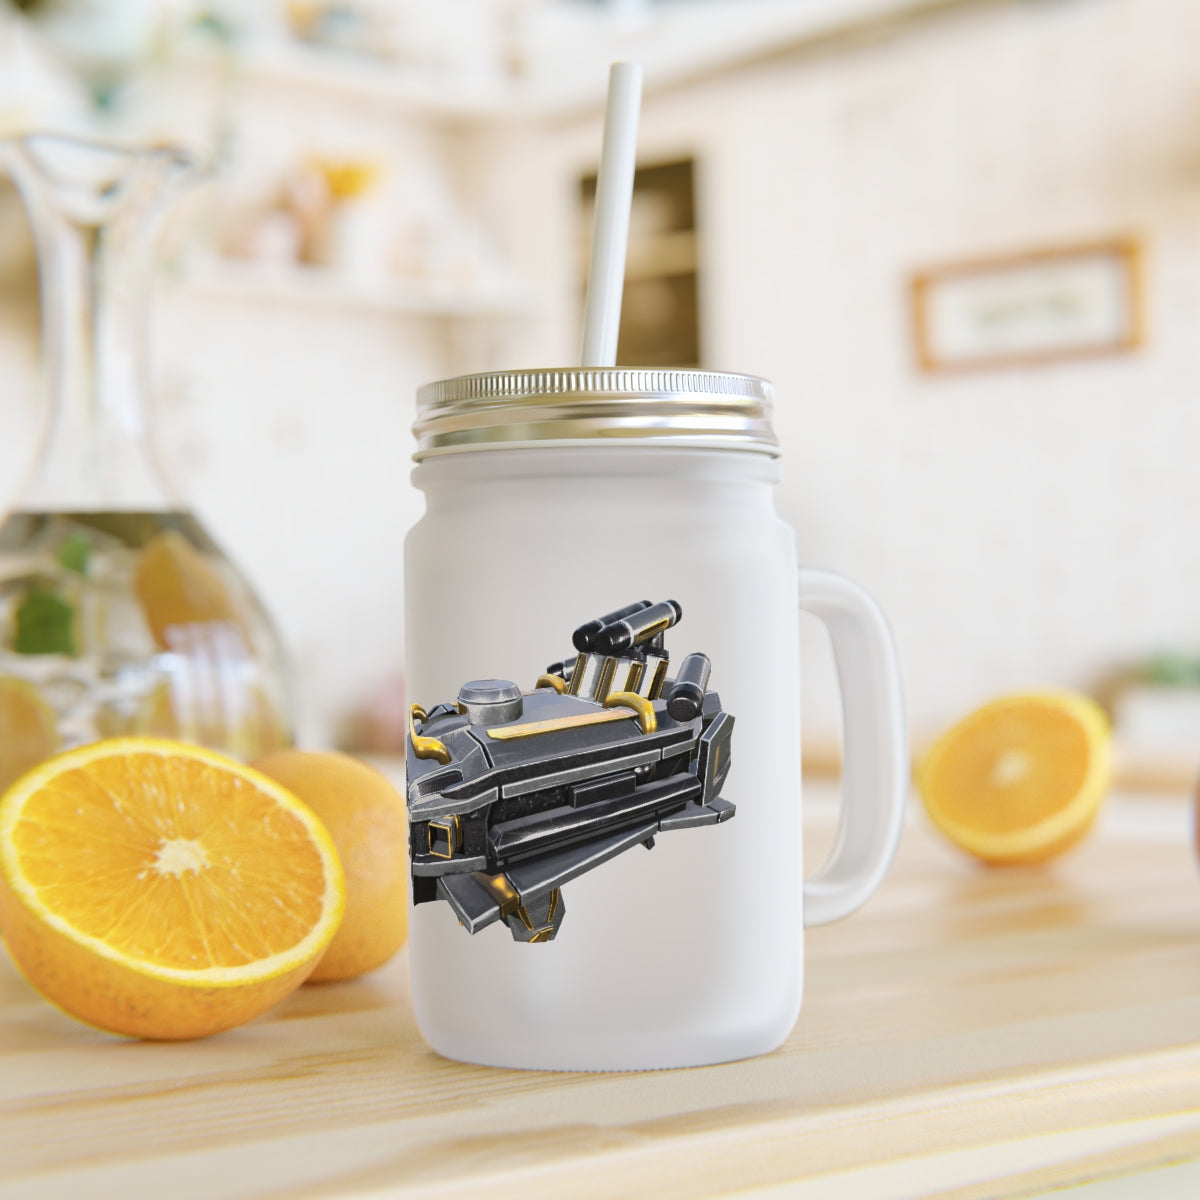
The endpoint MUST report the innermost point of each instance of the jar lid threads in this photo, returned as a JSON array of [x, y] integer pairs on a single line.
[[660, 407]]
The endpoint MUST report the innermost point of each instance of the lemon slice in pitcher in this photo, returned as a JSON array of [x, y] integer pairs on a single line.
[[28, 729]]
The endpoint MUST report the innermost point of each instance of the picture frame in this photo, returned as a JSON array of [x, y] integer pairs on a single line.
[[1032, 308]]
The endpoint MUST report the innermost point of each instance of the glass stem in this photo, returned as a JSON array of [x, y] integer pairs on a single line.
[[95, 275]]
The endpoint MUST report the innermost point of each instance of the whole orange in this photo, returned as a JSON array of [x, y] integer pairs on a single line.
[[365, 816]]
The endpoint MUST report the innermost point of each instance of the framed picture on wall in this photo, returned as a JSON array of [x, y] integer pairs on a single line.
[[1041, 306]]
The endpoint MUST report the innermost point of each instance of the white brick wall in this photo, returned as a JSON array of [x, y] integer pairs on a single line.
[[1020, 527]]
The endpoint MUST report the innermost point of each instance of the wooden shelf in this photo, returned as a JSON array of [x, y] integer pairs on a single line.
[[355, 79], [564, 51], [359, 78], [681, 42], [318, 287], [656, 257]]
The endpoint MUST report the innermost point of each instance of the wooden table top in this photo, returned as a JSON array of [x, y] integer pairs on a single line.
[[970, 1032]]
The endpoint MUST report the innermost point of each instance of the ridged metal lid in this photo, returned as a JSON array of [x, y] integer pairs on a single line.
[[585, 405]]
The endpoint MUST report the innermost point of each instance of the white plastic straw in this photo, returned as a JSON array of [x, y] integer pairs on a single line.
[[610, 235]]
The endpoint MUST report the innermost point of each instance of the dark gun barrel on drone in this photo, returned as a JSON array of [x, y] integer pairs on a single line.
[[562, 669], [686, 697], [621, 635], [584, 638]]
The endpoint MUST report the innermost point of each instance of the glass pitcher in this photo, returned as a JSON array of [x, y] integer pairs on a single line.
[[119, 615]]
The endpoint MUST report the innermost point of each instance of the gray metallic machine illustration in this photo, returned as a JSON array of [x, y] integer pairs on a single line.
[[513, 794]]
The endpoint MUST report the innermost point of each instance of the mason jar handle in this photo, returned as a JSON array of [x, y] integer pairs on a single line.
[[875, 762]]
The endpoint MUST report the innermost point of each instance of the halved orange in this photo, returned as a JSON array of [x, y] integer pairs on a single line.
[[1021, 779], [163, 891]]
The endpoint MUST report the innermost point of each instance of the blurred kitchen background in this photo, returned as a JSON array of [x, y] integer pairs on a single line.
[[961, 236]]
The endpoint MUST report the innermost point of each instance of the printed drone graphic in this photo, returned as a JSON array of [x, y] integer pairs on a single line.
[[513, 794]]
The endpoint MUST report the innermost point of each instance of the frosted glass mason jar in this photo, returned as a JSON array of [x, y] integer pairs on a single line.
[[553, 497]]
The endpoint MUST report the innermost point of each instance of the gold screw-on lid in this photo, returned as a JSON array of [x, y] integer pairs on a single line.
[[586, 405]]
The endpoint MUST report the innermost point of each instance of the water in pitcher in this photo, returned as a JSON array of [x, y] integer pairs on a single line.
[[129, 623]]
